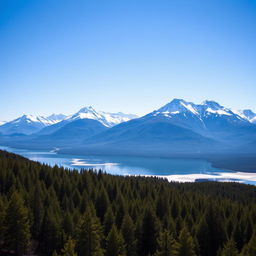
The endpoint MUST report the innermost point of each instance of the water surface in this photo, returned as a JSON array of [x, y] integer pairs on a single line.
[[173, 169]]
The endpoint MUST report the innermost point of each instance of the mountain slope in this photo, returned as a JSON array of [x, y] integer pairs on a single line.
[[26, 124], [179, 127], [107, 119], [71, 133], [146, 136]]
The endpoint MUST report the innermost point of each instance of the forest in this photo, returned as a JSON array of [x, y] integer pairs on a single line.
[[53, 211]]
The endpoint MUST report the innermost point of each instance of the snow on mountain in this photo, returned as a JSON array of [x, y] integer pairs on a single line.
[[208, 118], [26, 124], [177, 106], [179, 127], [2, 122], [209, 107], [107, 119], [200, 111], [44, 121]]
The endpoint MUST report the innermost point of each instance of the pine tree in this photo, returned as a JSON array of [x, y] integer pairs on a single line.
[[216, 233], [202, 234], [149, 233], [68, 224], [250, 248], [69, 248], [229, 249], [186, 246], [109, 220], [128, 232], [89, 234], [114, 243], [17, 229], [2, 217], [50, 238], [101, 204], [38, 212], [166, 245], [161, 206]]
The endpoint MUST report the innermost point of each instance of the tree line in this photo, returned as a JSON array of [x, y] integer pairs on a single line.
[[56, 211]]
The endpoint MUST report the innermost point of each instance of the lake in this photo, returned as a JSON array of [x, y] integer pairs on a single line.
[[183, 170]]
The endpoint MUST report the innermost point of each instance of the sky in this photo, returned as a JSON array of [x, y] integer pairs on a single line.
[[134, 56]]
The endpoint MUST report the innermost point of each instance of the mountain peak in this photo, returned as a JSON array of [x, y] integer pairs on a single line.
[[177, 106], [87, 109], [177, 101], [28, 118], [107, 119], [212, 104]]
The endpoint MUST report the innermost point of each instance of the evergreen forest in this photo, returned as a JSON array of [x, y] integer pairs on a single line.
[[53, 211]]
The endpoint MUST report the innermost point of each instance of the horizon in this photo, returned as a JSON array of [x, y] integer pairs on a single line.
[[126, 56]]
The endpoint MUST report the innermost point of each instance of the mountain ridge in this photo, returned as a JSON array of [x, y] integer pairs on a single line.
[[178, 127], [32, 124]]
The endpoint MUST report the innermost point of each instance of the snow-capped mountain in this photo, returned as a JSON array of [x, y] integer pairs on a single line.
[[107, 119], [29, 124], [26, 124], [248, 114], [179, 127], [209, 116], [200, 111], [2, 122]]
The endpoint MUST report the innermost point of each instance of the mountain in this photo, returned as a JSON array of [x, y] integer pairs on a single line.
[[2, 122], [72, 133], [179, 127], [26, 124], [106, 118], [71, 130], [56, 117], [248, 114], [209, 118]]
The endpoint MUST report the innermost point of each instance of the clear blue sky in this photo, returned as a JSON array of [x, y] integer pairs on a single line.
[[125, 55]]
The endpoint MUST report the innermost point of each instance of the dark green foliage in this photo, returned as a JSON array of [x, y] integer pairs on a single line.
[[229, 249], [16, 226], [115, 243], [2, 217], [149, 233], [167, 246], [128, 232], [69, 248], [250, 248], [50, 238], [215, 234], [185, 246], [89, 234], [109, 220], [92, 213]]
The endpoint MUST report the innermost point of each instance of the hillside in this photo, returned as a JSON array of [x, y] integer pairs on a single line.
[[44, 209]]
